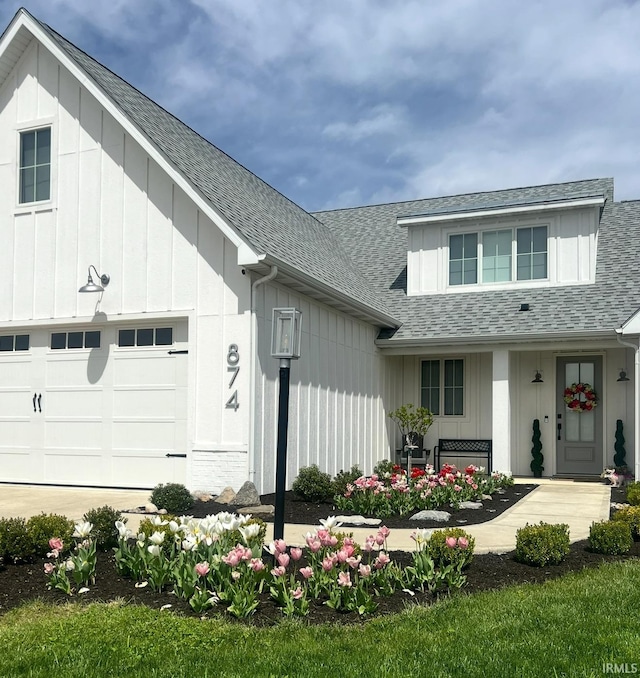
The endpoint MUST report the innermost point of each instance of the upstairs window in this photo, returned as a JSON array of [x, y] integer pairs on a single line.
[[35, 165], [505, 255]]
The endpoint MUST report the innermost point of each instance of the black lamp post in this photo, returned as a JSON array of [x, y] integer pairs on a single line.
[[285, 344]]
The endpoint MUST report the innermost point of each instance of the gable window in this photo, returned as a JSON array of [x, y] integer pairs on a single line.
[[35, 165], [506, 255], [442, 386]]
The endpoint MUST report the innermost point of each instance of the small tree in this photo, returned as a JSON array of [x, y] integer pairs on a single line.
[[412, 420]]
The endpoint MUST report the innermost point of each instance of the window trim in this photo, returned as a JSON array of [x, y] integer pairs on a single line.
[[493, 228], [37, 205], [146, 347], [442, 386]]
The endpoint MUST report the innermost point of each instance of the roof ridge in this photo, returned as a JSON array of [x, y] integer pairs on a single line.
[[463, 195]]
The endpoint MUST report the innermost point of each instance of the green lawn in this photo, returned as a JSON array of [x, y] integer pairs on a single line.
[[568, 627]]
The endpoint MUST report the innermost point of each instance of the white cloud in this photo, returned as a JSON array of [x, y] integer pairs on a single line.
[[372, 100]]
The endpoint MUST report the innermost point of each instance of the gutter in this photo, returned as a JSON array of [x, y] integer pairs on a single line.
[[494, 339], [253, 368], [636, 400]]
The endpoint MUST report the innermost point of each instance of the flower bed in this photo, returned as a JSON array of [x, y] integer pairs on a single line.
[[393, 493], [222, 561]]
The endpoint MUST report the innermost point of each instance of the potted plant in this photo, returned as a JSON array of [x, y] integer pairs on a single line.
[[412, 421]]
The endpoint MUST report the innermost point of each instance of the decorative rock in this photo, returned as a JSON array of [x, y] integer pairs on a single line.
[[247, 496], [471, 505], [438, 516], [150, 508], [201, 495], [487, 497], [261, 509], [462, 522], [358, 520], [226, 496], [163, 512]]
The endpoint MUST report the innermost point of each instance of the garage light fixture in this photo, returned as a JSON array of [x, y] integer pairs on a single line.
[[93, 287]]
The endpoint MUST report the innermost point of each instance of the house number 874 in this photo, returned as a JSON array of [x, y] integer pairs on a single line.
[[233, 366]]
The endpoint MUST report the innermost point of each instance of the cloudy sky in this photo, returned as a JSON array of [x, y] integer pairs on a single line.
[[349, 102]]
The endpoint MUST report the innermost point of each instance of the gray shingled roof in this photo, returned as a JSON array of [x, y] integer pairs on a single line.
[[270, 223], [379, 245]]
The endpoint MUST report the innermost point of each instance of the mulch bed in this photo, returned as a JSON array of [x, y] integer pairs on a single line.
[[21, 583], [310, 513]]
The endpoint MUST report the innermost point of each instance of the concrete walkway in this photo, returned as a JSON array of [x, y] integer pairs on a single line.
[[577, 504]]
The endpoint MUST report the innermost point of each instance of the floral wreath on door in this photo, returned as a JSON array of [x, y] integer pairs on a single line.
[[580, 397]]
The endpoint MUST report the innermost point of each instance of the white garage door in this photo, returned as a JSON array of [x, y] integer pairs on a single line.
[[104, 406]]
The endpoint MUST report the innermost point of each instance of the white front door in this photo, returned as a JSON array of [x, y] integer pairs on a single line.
[[78, 408]]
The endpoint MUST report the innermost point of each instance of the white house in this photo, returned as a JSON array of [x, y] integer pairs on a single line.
[[455, 303]]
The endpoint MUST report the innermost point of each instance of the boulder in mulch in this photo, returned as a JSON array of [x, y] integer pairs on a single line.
[[357, 521], [438, 516], [226, 496], [247, 495], [471, 505], [260, 510]]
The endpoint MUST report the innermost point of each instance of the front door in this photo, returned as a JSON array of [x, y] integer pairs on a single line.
[[579, 429]]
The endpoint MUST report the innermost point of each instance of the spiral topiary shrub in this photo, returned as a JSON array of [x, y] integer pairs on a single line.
[[543, 544], [610, 537], [173, 497], [312, 484], [536, 451], [46, 526]]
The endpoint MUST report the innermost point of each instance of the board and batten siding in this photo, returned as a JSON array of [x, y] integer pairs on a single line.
[[571, 254], [114, 207], [337, 410], [476, 421]]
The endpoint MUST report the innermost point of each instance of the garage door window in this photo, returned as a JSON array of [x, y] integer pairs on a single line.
[[74, 340], [147, 336], [14, 342]]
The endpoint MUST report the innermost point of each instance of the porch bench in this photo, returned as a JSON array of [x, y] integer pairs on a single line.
[[464, 448]]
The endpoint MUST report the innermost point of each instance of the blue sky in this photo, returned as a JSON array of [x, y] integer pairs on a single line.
[[350, 102]]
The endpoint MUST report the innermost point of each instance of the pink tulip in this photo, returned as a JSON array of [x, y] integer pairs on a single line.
[[53, 554], [364, 570], [283, 559], [256, 565], [382, 560], [297, 594], [235, 575], [369, 544], [56, 544], [280, 545], [353, 562], [457, 488], [278, 571], [306, 572], [463, 543], [451, 542], [49, 568], [315, 545], [296, 553], [232, 558], [344, 579], [384, 531], [342, 556], [202, 569], [327, 564]]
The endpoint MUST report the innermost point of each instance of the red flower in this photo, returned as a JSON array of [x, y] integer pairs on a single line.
[[579, 388]]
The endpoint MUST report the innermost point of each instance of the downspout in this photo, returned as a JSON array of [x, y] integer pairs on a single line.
[[636, 403], [253, 368]]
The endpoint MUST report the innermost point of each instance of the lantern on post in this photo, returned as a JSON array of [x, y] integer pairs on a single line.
[[286, 336]]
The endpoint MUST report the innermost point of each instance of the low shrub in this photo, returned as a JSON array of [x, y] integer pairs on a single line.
[[631, 516], [633, 493], [384, 469], [46, 526], [104, 529], [452, 546], [610, 537], [343, 478], [543, 544], [173, 497], [16, 542], [312, 484]]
